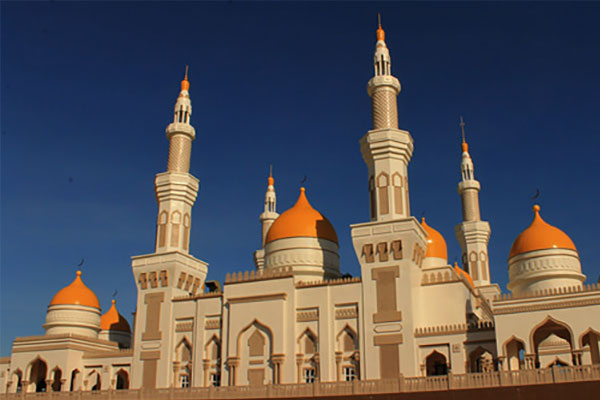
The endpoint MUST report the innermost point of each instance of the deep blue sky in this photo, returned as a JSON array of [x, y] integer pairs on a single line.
[[88, 89]]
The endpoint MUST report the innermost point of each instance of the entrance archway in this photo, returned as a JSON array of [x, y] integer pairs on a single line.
[[37, 376], [436, 364]]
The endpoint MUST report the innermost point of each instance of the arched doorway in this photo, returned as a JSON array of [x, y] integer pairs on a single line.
[[122, 380], [74, 380], [552, 339], [436, 364], [37, 376], [56, 381], [481, 360], [515, 354]]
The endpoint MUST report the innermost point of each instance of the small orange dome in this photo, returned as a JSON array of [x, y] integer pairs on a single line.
[[76, 293], [540, 235], [112, 320], [465, 147], [436, 245], [464, 273], [301, 221], [271, 181]]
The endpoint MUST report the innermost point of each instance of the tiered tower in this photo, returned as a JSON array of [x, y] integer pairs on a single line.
[[392, 246], [472, 233], [170, 271], [268, 216]]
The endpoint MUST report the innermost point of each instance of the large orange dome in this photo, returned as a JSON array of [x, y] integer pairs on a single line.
[[112, 320], [301, 221], [77, 294], [436, 245], [540, 235]]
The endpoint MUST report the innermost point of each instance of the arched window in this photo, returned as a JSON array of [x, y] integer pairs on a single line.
[[122, 380], [550, 340], [256, 344], [515, 354], [94, 381], [74, 380]]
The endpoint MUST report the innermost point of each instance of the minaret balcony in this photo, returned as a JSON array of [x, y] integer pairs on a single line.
[[179, 127], [383, 80]]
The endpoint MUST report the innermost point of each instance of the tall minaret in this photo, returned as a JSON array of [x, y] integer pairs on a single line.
[[170, 271], [386, 149], [391, 247], [176, 189], [268, 216], [472, 234]]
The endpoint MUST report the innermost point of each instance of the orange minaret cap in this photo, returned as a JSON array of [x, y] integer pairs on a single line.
[[271, 180], [185, 84], [465, 147], [380, 32]]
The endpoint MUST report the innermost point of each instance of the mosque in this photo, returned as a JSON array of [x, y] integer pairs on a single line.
[[295, 319]]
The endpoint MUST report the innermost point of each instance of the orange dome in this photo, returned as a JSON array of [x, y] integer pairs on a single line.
[[540, 235], [436, 245], [76, 293], [464, 273], [301, 221], [112, 320]]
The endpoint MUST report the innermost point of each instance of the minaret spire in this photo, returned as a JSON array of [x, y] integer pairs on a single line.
[[472, 234]]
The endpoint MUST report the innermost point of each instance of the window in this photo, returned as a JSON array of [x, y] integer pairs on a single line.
[[184, 381], [310, 375], [215, 379], [349, 374]]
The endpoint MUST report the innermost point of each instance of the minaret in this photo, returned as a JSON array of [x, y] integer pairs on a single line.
[[386, 149], [268, 216], [176, 189], [472, 234], [392, 246], [170, 271]]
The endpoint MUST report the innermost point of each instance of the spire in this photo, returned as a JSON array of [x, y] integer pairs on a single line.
[[185, 84], [465, 146], [270, 210], [466, 166], [181, 133], [382, 61]]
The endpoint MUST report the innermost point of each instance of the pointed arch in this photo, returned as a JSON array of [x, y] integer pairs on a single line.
[[94, 380], [38, 374], [56, 377], [547, 327], [591, 339], [214, 344], [436, 364], [17, 380], [183, 350], [557, 362], [261, 327], [307, 342], [75, 376], [122, 380], [481, 360], [347, 339], [513, 348]]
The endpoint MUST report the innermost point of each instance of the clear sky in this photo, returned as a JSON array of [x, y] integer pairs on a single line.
[[88, 89]]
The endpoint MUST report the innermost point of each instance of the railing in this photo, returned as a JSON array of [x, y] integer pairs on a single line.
[[324, 389]]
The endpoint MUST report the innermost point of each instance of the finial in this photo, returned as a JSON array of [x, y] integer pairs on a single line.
[[465, 146], [78, 273], [536, 208], [380, 32], [271, 181], [114, 302], [185, 84]]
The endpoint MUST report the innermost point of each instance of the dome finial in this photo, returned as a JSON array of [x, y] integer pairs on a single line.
[[536, 208], [185, 84], [465, 146], [380, 32]]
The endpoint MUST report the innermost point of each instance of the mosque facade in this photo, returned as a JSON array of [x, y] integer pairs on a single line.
[[295, 319]]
